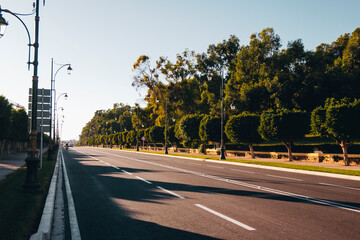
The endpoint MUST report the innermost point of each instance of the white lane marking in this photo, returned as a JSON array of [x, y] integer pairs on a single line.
[[295, 179], [126, 172], [214, 166], [240, 224], [238, 170], [194, 163], [244, 184], [100, 161], [74, 226], [333, 185], [170, 192], [143, 180]]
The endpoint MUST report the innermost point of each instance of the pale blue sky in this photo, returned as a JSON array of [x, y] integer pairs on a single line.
[[102, 39]]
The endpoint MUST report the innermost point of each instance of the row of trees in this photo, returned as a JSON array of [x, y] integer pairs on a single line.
[[13, 127], [259, 78], [336, 120]]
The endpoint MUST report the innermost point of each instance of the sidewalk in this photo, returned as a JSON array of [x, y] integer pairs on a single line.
[[10, 163]]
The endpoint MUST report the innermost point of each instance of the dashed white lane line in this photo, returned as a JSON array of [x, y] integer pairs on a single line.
[[275, 176], [214, 166], [170, 192], [238, 170], [194, 163], [240, 183], [143, 180], [333, 185], [126, 172], [240, 224]]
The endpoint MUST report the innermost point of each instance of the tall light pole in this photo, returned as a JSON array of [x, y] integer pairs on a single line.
[[222, 142], [55, 110], [31, 183], [166, 123], [53, 77], [137, 128]]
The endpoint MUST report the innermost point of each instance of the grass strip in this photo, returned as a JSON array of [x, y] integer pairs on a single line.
[[20, 212]]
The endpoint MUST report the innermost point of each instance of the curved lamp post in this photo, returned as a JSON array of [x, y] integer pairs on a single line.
[[137, 128], [31, 183], [53, 77], [4, 24], [222, 143], [55, 110]]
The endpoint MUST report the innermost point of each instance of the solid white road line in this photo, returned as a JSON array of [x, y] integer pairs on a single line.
[[333, 185], [226, 218], [170, 192], [143, 180], [74, 226], [238, 170], [295, 179]]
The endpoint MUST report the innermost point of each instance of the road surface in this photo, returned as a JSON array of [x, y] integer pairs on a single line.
[[130, 195]]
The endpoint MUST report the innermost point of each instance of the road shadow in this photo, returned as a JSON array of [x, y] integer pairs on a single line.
[[97, 186], [101, 218]]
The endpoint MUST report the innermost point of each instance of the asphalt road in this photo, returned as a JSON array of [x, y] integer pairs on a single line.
[[129, 195]]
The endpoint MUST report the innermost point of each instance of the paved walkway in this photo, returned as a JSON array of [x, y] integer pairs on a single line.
[[10, 163]]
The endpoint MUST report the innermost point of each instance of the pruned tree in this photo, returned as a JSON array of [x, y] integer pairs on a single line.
[[338, 120], [209, 130], [156, 134], [284, 125], [5, 122], [188, 129], [243, 128]]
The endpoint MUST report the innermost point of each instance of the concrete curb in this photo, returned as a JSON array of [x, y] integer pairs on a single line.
[[323, 174], [44, 230]]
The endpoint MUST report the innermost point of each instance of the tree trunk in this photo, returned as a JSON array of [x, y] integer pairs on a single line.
[[204, 147], [344, 147], [252, 151], [2, 144], [288, 146]]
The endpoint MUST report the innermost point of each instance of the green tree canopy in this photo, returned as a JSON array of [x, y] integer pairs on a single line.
[[285, 125], [244, 128], [338, 120]]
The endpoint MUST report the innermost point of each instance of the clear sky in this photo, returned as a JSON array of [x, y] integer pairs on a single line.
[[102, 40]]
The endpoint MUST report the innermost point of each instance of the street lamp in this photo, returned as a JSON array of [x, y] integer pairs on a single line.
[[53, 77], [3, 25], [166, 123], [31, 183], [222, 143], [137, 128], [55, 110], [165, 110]]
